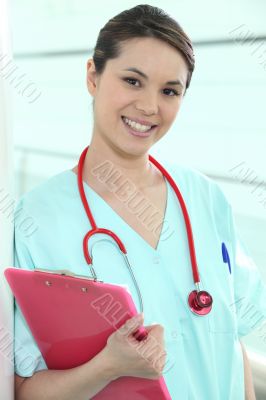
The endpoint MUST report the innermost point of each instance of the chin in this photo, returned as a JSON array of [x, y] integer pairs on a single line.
[[136, 149]]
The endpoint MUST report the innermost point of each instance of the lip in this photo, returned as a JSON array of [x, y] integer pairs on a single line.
[[140, 121], [139, 134]]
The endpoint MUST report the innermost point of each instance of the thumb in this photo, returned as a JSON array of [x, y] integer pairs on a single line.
[[131, 325], [151, 327]]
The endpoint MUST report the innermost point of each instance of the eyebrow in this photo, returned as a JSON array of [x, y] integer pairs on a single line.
[[133, 69]]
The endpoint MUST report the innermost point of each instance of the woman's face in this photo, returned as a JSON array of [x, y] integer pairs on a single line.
[[119, 93]]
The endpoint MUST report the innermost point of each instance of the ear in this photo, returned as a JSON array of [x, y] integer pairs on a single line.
[[91, 76]]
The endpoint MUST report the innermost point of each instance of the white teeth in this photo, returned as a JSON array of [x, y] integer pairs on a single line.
[[136, 125]]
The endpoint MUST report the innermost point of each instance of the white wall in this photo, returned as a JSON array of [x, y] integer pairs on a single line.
[[6, 225]]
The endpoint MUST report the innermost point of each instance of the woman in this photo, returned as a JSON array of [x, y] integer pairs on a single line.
[[138, 76]]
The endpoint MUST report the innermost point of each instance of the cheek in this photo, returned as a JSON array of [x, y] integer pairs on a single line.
[[123, 98], [170, 114], [173, 111], [116, 98]]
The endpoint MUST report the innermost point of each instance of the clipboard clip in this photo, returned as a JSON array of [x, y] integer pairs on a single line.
[[66, 272]]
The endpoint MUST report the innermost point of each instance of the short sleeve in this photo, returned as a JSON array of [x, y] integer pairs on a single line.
[[249, 287], [27, 356]]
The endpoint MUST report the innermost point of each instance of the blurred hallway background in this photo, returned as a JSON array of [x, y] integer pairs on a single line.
[[221, 126]]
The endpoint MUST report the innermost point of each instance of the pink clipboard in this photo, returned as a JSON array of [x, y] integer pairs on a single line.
[[71, 317]]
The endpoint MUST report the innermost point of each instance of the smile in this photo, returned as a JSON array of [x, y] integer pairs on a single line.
[[137, 126], [137, 129]]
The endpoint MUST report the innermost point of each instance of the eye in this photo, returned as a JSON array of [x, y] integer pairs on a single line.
[[128, 80], [131, 79], [174, 91]]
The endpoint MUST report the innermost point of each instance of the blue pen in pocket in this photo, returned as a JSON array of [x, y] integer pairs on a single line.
[[226, 258]]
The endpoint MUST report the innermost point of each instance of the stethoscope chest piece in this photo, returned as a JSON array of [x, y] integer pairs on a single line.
[[200, 302]]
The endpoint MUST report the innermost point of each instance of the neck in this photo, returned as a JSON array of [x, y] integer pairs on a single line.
[[104, 159]]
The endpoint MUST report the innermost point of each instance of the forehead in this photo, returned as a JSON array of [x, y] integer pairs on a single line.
[[152, 56]]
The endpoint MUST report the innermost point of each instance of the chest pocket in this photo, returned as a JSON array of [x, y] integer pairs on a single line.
[[219, 282]]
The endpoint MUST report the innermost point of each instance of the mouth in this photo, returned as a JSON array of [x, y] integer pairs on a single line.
[[133, 131]]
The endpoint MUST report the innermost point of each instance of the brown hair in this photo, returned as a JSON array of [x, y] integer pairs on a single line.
[[141, 21]]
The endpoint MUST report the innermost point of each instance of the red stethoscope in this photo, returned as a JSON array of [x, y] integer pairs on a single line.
[[199, 301]]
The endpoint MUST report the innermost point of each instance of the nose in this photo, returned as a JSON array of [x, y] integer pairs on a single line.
[[147, 103]]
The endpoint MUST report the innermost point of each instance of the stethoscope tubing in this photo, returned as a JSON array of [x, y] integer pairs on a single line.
[[197, 299], [96, 230]]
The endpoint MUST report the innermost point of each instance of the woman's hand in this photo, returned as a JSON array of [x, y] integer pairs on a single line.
[[130, 357]]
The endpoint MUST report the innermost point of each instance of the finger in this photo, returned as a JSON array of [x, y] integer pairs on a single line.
[[150, 351], [156, 331], [155, 326], [160, 360], [131, 325]]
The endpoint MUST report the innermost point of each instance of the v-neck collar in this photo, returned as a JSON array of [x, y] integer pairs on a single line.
[[88, 188]]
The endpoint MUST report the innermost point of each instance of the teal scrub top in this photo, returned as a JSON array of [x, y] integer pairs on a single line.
[[204, 356]]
